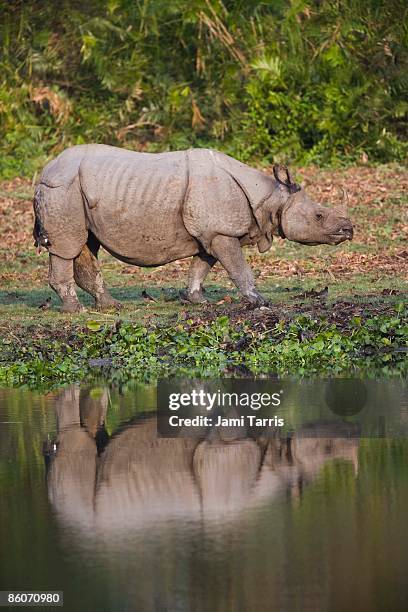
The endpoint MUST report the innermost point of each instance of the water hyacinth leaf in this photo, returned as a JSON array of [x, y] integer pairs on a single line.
[[93, 325]]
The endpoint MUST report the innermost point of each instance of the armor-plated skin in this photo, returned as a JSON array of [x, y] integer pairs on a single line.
[[150, 209]]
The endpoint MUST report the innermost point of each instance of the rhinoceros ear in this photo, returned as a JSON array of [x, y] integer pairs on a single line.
[[288, 182]]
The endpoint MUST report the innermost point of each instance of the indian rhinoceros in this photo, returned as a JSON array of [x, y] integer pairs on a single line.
[[149, 209]]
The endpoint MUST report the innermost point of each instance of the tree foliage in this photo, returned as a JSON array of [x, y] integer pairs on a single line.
[[273, 79]]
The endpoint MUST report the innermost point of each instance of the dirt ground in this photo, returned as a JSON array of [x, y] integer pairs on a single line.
[[369, 274]]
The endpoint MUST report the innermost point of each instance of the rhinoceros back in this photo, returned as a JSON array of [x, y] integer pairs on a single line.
[[63, 170]]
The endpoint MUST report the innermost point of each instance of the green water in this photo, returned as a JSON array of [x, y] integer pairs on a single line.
[[94, 504]]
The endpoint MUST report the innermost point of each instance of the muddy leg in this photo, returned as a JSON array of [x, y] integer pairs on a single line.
[[61, 279], [88, 276], [228, 251], [200, 267]]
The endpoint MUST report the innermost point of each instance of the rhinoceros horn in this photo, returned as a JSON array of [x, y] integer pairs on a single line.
[[342, 209], [289, 183]]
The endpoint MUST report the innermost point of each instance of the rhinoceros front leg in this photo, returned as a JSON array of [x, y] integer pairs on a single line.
[[228, 251], [88, 276], [200, 267], [61, 279]]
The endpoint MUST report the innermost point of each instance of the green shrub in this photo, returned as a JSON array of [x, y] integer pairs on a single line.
[[306, 81]]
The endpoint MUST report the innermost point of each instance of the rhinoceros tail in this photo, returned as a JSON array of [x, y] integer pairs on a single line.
[[39, 233]]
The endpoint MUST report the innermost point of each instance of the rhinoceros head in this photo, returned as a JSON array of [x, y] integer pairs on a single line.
[[302, 220]]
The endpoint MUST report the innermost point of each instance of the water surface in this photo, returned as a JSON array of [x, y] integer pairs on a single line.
[[95, 504]]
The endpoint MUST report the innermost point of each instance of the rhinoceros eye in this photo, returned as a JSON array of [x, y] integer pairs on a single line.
[[319, 216]]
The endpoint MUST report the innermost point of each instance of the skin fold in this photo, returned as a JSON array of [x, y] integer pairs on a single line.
[[150, 209]]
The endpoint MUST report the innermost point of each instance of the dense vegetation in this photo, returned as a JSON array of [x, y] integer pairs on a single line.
[[282, 79]]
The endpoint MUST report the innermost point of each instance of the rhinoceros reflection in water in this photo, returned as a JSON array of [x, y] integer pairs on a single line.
[[134, 478]]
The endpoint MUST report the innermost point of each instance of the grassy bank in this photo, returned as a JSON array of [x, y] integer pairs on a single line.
[[261, 341]]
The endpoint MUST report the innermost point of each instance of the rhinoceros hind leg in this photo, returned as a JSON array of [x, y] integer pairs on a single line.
[[228, 251], [200, 267], [61, 279], [88, 276]]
